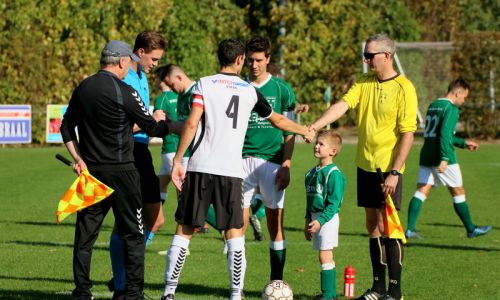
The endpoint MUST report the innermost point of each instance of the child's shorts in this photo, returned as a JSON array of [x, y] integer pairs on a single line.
[[327, 237]]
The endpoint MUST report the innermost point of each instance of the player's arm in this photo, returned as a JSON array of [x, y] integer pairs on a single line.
[[283, 175], [139, 114], [337, 110], [187, 135], [68, 133], [79, 165], [264, 110], [406, 126], [333, 113], [402, 151]]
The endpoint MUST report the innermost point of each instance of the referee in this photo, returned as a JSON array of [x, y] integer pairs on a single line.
[[104, 109]]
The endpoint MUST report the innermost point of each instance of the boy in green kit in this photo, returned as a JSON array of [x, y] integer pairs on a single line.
[[325, 186]]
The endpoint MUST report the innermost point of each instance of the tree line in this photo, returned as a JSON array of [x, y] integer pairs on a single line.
[[48, 47]]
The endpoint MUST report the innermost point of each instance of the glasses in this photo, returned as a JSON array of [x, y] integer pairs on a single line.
[[368, 55]]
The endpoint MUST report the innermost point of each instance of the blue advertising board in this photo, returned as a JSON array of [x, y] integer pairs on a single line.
[[15, 124]]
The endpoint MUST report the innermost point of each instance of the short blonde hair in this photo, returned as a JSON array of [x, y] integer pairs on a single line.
[[333, 138]]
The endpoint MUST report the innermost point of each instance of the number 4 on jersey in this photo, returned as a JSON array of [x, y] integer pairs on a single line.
[[232, 110]]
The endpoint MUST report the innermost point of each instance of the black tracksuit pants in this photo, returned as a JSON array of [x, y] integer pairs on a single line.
[[127, 208]]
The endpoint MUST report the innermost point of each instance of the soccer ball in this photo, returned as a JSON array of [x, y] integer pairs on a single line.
[[277, 290]]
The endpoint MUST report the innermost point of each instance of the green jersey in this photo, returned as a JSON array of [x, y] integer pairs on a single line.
[[167, 101], [184, 102], [262, 139], [324, 191], [439, 135]]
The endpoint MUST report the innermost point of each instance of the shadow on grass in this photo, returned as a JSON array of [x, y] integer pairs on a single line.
[[28, 295], [445, 225], [51, 279], [40, 223], [53, 244], [197, 291], [451, 247]]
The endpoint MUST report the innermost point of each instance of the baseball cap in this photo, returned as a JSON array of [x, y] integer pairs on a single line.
[[119, 49]]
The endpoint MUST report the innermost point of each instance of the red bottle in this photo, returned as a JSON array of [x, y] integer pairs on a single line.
[[349, 281]]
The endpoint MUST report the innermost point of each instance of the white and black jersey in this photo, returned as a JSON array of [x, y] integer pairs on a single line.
[[227, 101]]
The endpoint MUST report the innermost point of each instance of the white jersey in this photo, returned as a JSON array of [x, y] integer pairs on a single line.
[[227, 101]]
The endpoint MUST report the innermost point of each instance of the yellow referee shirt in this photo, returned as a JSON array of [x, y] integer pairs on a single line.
[[385, 109]]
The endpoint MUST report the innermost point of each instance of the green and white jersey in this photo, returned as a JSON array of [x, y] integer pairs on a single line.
[[167, 101], [262, 139], [324, 191], [439, 136], [184, 102]]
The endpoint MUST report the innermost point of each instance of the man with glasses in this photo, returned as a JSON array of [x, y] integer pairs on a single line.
[[386, 105]]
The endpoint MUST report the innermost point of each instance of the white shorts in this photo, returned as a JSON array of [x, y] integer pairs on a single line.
[[327, 237], [452, 176], [167, 160], [260, 175]]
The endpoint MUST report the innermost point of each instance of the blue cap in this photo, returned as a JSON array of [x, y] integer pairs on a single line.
[[119, 49]]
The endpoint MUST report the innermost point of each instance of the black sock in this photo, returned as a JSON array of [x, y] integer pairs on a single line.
[[394, 248], [377, 255]]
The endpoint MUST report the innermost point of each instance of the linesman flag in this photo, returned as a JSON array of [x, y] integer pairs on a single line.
[[392, 225], [85, 191]]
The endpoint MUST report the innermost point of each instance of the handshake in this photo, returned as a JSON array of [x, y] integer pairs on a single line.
[[311, 134]]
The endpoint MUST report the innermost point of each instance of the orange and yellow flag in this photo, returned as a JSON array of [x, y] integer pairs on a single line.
[[392, 225], [85, 191]]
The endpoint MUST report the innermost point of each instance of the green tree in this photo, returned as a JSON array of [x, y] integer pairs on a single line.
[[47, 47], [323, 43], [194, 30]]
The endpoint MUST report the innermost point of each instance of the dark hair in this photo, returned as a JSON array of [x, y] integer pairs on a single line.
[[458, 83], [259, 43], [229, 50], [149, 41], [166, 70]]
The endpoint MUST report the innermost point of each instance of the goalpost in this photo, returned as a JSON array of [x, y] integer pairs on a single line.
[[427, 65]]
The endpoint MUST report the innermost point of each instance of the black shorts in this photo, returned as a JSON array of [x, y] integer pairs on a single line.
[[201, 189], [150, 184], [370, 190]]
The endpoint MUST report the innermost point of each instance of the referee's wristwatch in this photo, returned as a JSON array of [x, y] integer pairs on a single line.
[[395, 172]]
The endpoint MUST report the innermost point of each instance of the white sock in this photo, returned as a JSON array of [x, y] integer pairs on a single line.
[[236, 265], [420, 196], [176, 256]]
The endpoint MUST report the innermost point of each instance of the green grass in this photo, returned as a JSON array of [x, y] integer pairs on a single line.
[[36, 253]]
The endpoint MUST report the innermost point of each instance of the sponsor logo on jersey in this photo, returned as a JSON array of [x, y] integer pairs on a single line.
[[231, 83]]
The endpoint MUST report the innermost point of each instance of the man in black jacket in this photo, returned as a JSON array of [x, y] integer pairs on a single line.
[[104, 109]]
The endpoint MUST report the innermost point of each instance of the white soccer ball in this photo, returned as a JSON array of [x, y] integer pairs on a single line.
[[277, 290]]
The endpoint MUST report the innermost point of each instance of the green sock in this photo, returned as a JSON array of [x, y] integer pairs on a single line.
[[462, 210], [278, 258], [211, 220], [258, 209], [328, 288], [413, 212]]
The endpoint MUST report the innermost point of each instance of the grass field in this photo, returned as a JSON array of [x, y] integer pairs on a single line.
[[36, 253]]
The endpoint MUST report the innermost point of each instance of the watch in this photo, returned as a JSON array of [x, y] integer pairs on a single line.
[[395, 172]]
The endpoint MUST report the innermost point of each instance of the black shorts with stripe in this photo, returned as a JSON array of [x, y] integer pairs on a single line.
[[370, 190], [201, 189]]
